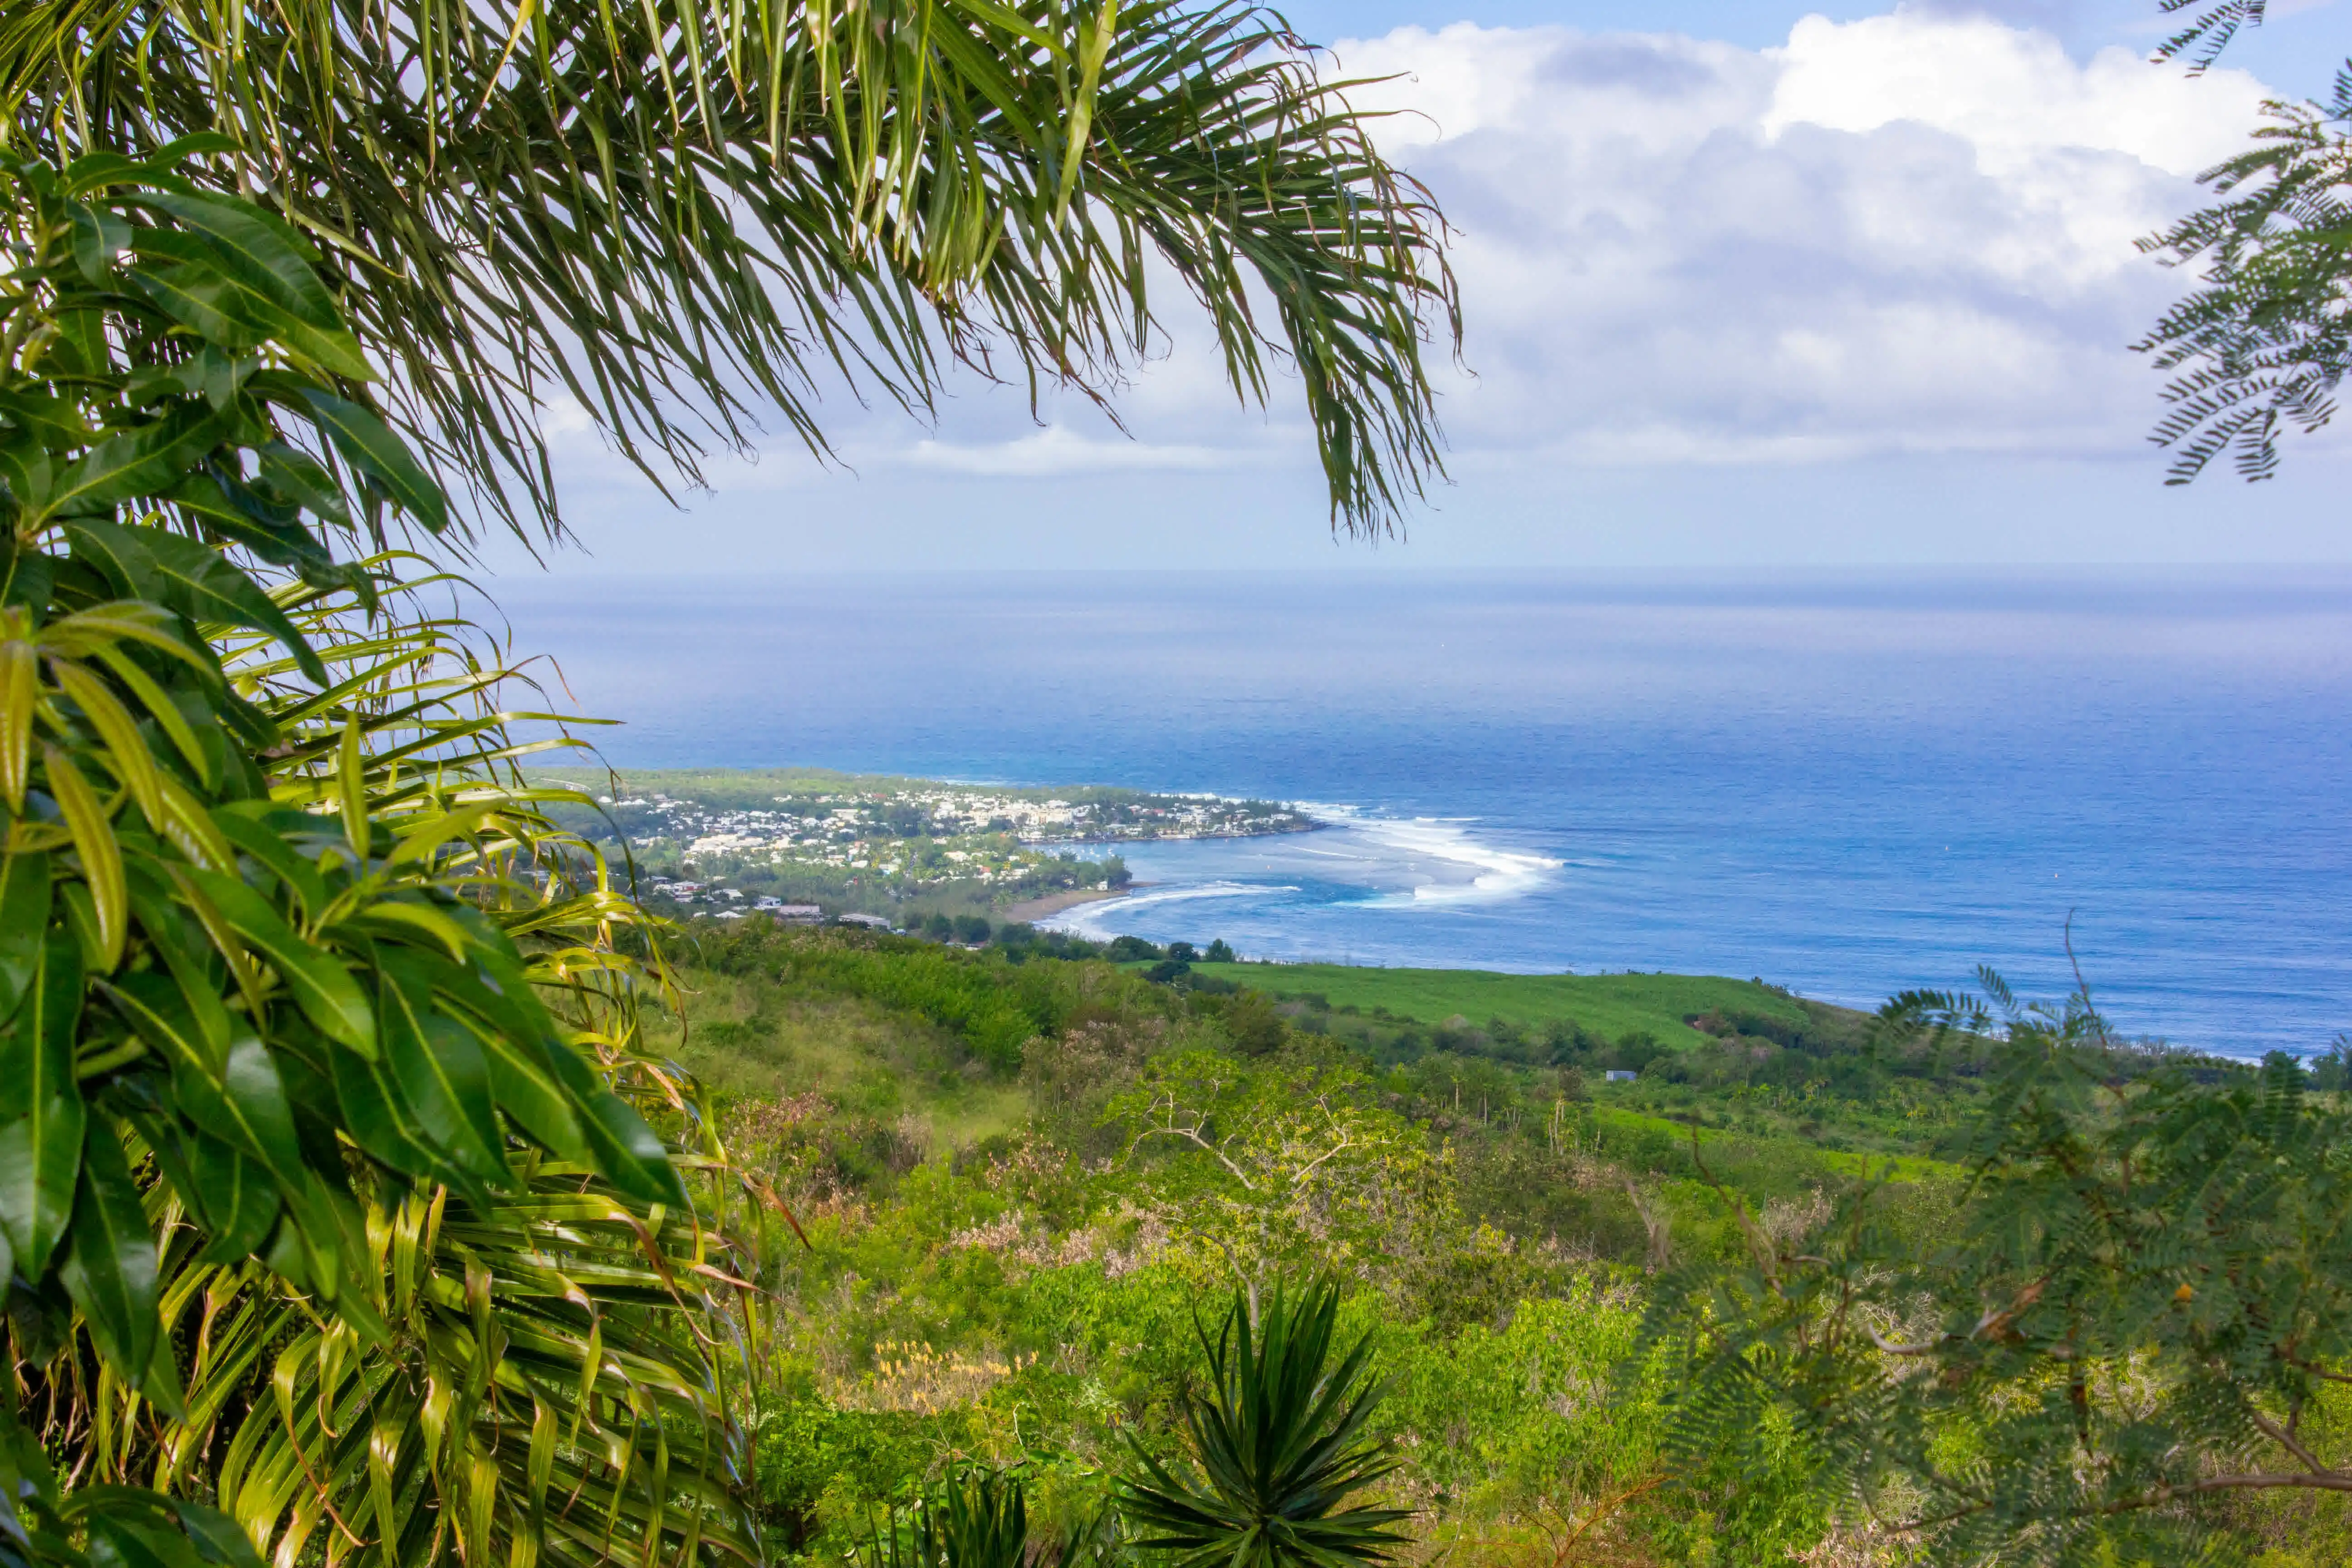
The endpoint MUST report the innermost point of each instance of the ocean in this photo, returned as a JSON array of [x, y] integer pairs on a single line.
[[1848, 784]]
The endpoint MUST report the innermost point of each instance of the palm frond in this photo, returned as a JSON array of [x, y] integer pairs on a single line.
[[682, 215]]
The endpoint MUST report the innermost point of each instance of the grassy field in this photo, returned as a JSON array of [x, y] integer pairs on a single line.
[[1609, 1005]]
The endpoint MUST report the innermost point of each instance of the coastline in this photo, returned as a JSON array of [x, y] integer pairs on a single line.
[[1033, 910]]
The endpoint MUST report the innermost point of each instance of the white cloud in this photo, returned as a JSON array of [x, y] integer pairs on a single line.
[[1056, 449], [1909, 233]]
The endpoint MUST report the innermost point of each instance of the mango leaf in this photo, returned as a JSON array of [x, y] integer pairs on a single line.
[[253, 827], [41, 1109], [96, 171], [128, 1530], [351, 791], [527, 1091], [214, 1535], [127, 755], [110, 1265], [201, 301], [278, 260], [238, 1201], [369, 446], [159, 1012], [82, 925], [142, 462], [20, 678], [440, 1069], [631, 1157], [316, 979], [54, 419], [102, 856], [379, 1118], [190, 577], [24, 916], [255, 1098], [99, 238], [163, 710], [232, 511], [220, 296], [306, 481]]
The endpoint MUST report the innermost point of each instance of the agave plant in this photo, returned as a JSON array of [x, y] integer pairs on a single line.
[[325, 1177], [979, 1518], [1279, 1444]]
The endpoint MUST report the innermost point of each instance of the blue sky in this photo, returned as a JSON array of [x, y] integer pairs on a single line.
[[1745, 283]]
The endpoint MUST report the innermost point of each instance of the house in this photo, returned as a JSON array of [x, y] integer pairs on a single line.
[[1618, 1075], [809, 912], [872, 922]]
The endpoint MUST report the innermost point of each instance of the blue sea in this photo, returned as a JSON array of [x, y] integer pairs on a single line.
[[1844, 785]]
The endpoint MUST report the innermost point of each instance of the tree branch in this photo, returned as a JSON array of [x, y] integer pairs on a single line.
[[1193, 1133]]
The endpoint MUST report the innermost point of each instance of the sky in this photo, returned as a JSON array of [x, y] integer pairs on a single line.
[[1745, 284]]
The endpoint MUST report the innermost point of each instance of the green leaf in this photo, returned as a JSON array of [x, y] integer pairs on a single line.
[[238, 1201], [111, 1266], [24, 916], [371, 447], [278, 259], [624, 1148], [41, 1135], [319, 983], [215, 1535], [379, 1118], [97, 171], [121, 1538], [100, 853], [351, 791], [26, 476], [527, 1090], [439, 1066], [199, 301], [99, 238], [190, 577], [194, 145], [233, 512], [220, 296], [20, 694], [305, 480], [255, 827], [147, 461]]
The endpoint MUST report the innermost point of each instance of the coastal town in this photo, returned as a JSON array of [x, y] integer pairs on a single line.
[[806, 846]]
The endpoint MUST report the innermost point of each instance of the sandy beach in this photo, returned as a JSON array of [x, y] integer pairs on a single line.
[[1054, 903]]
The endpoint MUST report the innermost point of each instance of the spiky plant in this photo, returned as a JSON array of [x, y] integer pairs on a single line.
[[325, 1172], [977, 1517], [1279, 1446]]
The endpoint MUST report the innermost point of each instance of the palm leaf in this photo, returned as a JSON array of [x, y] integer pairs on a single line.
[[682, 215]]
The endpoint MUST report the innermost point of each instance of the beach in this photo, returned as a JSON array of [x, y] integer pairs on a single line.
[[1033, 910]]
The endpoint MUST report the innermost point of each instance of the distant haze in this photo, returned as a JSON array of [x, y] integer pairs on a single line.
[[1848, 784]]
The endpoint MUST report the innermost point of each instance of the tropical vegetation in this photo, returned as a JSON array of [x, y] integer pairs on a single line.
[[1615, 1321], [354, 1202], [346, 1215]]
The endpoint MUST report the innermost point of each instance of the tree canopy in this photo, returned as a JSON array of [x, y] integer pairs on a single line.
[[2264, 340]]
